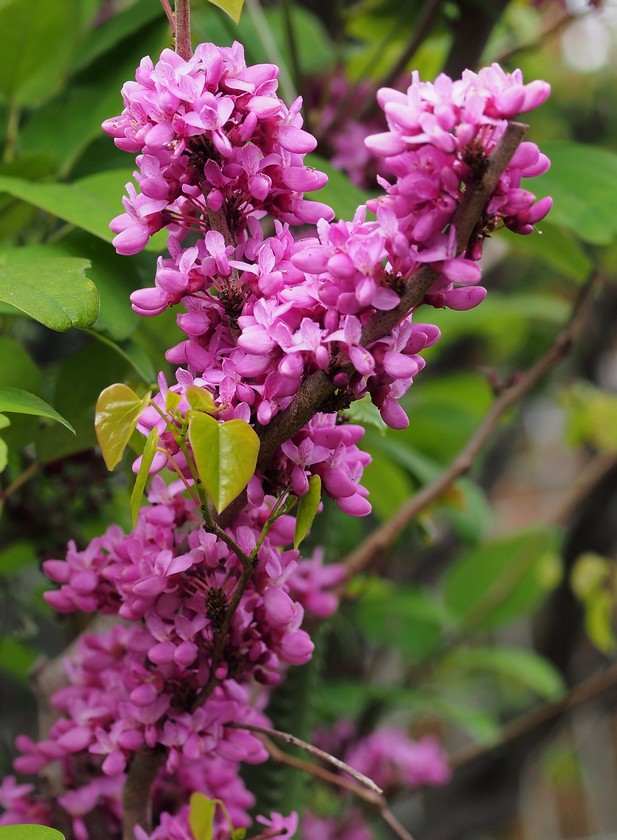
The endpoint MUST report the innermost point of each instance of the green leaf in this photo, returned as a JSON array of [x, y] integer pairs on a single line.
[[200, 399], [583, 182], [23, 402], [554, 247], [80, 379], [502, 580], [307, 509], [29, 832], [16, 367], [314, 47], [67, 124], [132, 353], [117, 411], [119, 27], [53, 290], [4, 457], [89, 203], [591, 416], [37, 44], [404, 617], [16, 659], [388, 484], [201, 816], [366, 413], [233, 8], [591, 579], [19, 555], [225, 456], [142, 476], [340, 193], [509, 664]]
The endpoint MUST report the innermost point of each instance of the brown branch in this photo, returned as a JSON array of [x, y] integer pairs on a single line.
[[385, 534], [136, 799], [183, 29], [588, 690], [359, 785]]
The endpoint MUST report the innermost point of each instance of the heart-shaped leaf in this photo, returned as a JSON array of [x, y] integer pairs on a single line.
[[23, 402], [225, 455], [201, 816], [117, 411], [307, 509]]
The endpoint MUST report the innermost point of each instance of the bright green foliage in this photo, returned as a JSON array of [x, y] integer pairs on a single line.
[[233, 8], [307, 509], [29, 832], [117, 412], [593, 582], [88, 204], [142, 476], [225, 455], [200, 399], [583, 182], [201, 816], [22, 402], [53, 290]]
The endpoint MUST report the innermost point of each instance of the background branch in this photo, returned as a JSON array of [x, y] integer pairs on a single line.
[[359, 785], [387, 533]]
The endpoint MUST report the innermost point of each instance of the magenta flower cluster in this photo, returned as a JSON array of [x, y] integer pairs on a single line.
[[389, 757], [221, 167]]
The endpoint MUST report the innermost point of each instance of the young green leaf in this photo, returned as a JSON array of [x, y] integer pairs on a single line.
[[142, 476], [200, 399], [307, 509], [233, 8], [514, 665], [201, 816], [225, 456], [29, 832], [503, 579], [53, 290], [117, 412], [23, 402]]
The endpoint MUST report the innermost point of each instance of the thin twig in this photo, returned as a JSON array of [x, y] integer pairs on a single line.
[[386, 534], [170, 16], [377, 800], [22, 478], [288, 738]]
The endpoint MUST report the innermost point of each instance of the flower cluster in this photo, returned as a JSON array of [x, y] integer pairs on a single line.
[[134, 685], [210, 616]]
